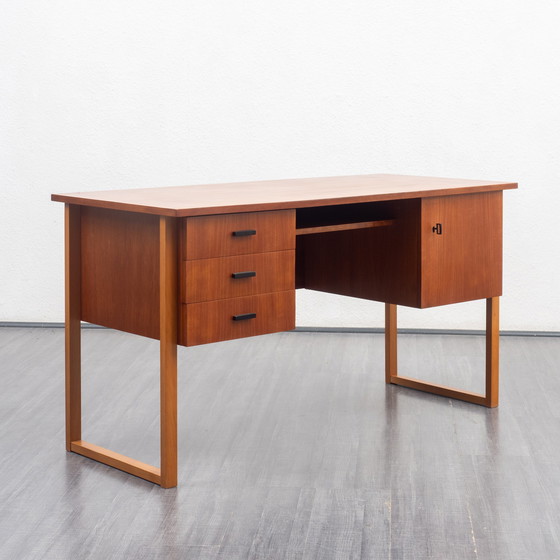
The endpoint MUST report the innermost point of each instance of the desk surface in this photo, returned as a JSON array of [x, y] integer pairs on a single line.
[[253, 196]]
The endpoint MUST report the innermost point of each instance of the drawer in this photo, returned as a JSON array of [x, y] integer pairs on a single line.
[[242, 275], [213, 321], [238, 234]]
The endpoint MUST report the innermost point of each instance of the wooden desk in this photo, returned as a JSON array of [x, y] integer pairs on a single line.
[[205, 263]]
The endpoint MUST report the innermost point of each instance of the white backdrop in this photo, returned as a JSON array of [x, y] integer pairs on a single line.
[[118, 94]]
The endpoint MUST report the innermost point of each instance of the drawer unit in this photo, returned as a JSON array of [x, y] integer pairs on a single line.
[[227, 319], [237, 277], [206, 237], [242, 275]]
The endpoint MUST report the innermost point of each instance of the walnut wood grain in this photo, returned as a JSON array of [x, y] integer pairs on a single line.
[[120, 270], [380, 264], [344, 227], [253, 196], [117, 461], [489, 399], [168, 298], [391, 356], [72, 331], [212, 279], [212, 321], [441, 390], [212, 236], [492, 351], [124, 249], [410, 264], [464, 263]]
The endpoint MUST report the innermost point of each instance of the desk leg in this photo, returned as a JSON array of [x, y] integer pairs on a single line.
[[72, 357], [390, 341], [492, 351], [168, 350], [166, 475], [490, 399]]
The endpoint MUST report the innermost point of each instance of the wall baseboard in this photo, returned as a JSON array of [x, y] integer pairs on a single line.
[[349, 330], [453, 332]]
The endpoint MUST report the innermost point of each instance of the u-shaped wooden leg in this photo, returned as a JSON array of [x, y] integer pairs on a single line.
[[489, 399], [166, 476]]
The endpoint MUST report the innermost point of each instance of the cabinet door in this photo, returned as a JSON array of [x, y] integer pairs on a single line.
[[461, 248]]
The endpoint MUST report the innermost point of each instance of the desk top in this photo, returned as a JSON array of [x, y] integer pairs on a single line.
[[254, 196]]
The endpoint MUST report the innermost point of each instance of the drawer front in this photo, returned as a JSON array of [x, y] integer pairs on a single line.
[[237, 318], [243, 275], [238, 234]]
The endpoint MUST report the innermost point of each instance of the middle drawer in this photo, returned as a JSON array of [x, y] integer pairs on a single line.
[[243, 275]]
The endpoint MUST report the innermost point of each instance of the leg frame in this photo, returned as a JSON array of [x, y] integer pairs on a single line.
[[166, 476], [489, 399]]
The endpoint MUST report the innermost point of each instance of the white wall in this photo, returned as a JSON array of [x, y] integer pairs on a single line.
[[116, 94]]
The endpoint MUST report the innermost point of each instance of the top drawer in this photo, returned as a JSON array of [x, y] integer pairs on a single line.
[[238, 234]]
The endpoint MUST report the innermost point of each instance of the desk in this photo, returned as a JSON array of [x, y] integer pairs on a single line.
[[205, 263]]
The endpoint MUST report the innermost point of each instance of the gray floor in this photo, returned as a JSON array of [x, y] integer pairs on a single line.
[[291, 447]]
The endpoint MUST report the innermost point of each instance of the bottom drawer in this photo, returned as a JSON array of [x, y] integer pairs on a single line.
[[226, 319]]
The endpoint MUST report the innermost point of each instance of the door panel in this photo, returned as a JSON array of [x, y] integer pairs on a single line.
[[461, 258]]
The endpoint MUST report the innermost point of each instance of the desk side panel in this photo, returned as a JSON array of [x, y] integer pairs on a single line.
[[120, 270], [380, 264]]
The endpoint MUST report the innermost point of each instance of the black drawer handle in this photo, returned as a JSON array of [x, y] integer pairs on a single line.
[[246, 274], [244, 316], [244, 232]]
